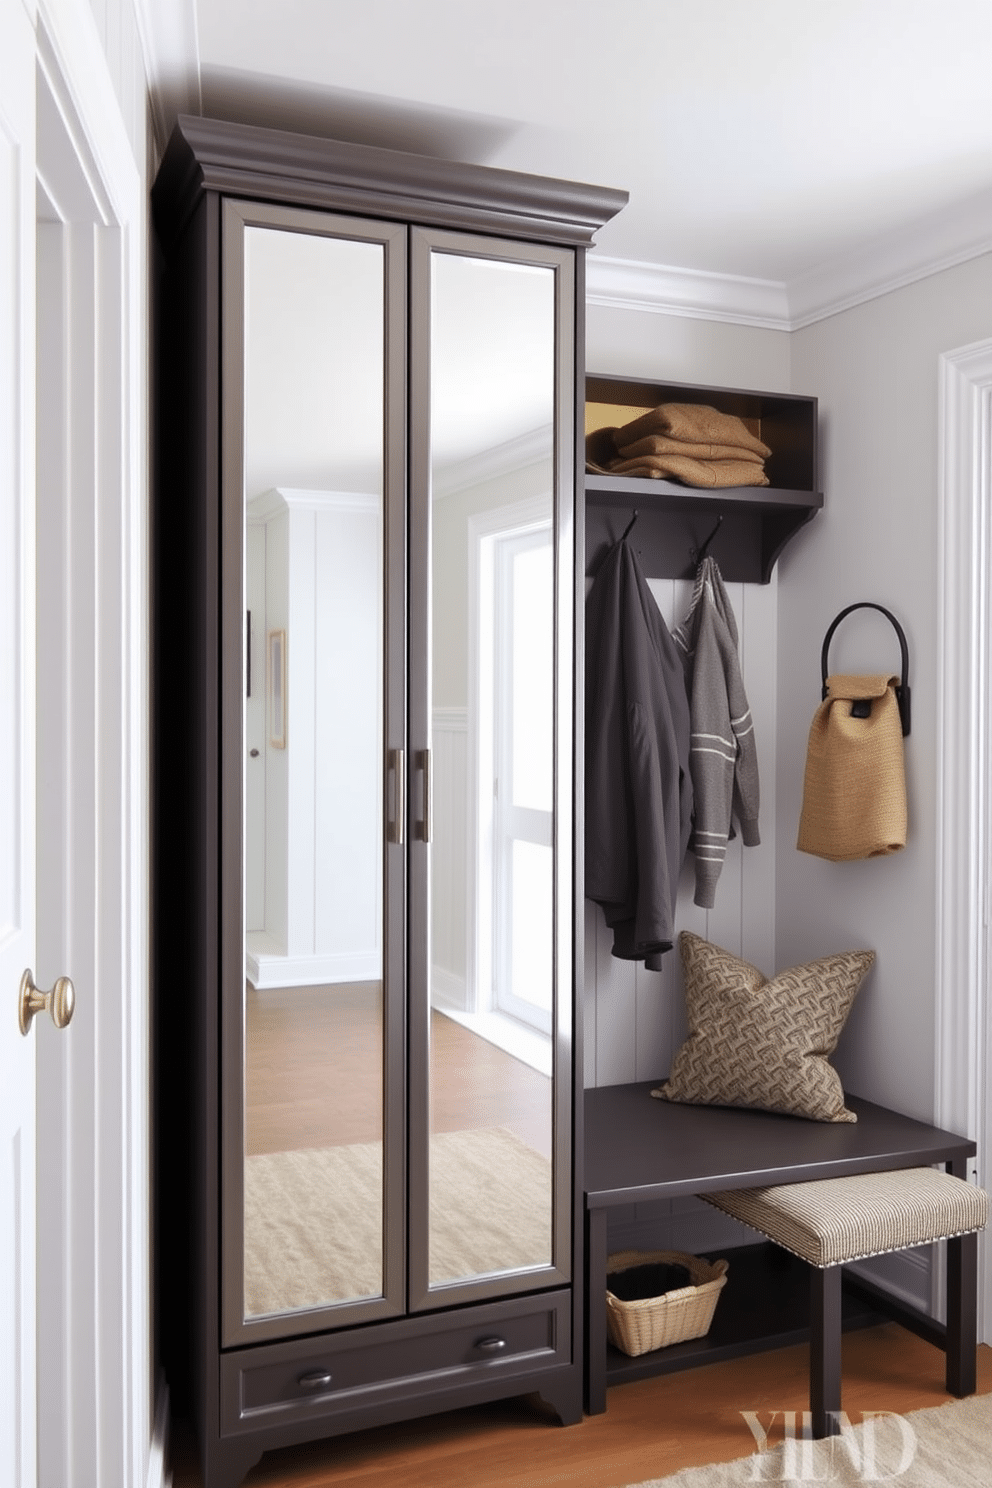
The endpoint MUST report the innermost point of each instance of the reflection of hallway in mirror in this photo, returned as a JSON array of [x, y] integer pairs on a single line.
[[476, 1084], [313, 1066], [314, 1077]]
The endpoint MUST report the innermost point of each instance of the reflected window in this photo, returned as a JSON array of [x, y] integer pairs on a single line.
[[523, 675]]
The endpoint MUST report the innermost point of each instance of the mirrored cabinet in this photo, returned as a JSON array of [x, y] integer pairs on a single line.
[[365, 659]]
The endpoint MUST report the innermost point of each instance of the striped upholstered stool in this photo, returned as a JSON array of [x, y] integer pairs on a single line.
[[835, 1220]]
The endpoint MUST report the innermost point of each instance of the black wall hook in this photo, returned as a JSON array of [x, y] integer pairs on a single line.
[[627, 529], [698, 554], [902, 691]]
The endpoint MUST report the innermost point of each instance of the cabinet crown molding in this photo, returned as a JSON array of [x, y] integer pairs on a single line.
[[272, 164]]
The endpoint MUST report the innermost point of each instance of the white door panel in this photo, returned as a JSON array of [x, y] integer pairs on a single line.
[[17, 860]]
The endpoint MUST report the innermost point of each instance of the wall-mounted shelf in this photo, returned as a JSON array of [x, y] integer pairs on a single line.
[[758, 521]]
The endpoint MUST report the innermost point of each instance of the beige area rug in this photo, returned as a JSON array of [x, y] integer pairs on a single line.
[[944, 1446], [313, 1218]]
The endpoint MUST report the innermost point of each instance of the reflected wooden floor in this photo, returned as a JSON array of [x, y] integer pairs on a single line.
[[476, 1084], [313, 1066], [314, 1073], [651, 1428]]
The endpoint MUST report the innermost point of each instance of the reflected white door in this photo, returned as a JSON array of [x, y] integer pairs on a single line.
[[17, 868]]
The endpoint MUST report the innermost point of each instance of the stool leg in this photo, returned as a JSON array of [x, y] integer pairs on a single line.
[[824, 1348], [962, 1314]]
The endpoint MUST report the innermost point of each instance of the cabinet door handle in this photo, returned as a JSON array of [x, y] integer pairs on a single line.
[[424, 826], [394, 829], [314, 1379], [491, 1345]]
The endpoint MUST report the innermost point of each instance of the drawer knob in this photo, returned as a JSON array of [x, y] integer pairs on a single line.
[[313, 1379], [491, 1345]]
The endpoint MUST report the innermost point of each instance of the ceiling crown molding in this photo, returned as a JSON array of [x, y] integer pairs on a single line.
[[170, 45], [624, 284], [927, 246], [924, 247], [532, 448]]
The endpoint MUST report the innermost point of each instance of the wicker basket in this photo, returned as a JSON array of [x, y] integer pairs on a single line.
[[654, 1322]]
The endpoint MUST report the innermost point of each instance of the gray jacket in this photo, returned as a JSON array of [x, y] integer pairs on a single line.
[[638, 793], [723, 760]]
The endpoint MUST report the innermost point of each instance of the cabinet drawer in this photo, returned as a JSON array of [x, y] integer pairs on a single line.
[[350, 1371]]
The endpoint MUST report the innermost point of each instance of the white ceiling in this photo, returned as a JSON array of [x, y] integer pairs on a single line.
[[759, 139]]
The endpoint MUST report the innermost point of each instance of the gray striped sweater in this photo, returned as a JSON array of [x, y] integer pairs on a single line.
[[723, 760]]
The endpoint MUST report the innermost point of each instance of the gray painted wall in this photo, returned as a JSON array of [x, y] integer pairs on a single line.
[[875, 370]]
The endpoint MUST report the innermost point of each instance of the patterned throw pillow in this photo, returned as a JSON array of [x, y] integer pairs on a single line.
[[763, 1043]]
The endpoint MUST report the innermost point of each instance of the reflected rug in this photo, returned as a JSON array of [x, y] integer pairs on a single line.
[[313, 1217], [944, 1446]]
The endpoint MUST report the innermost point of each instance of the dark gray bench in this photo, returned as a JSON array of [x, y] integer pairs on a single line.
[[639, 1150]]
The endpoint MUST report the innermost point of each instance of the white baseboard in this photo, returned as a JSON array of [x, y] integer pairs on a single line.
[[449, 991], [265, 967], [159, 1471], [526, 1044]]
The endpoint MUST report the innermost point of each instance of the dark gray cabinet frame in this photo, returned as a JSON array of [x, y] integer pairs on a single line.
[[233, 1394]]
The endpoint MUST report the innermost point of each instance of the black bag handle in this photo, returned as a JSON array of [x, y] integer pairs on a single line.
[[902, 691]]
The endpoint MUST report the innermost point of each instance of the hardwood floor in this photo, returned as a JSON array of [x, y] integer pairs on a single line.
[[651, 1427], [314, 1073]]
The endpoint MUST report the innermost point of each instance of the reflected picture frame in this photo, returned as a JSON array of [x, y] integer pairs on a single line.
[[276, 670]]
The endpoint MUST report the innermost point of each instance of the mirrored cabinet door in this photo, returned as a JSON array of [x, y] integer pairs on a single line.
[[314, 493], [397, 800], [491, 790]]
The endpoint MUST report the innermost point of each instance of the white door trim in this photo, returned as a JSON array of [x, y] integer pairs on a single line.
[[963, 1058], [71, 59], [99, 1152]]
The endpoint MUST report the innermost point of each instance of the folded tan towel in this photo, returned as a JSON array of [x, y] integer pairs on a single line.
[[694, 472], [696, 423], [601, 450], [663, 444]]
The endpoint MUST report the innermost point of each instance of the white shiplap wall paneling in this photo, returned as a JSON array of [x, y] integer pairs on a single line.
[[635, 1019], [616, 1011]]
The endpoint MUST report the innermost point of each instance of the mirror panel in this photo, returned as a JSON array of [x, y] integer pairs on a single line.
[[491, 719], [314, 320]]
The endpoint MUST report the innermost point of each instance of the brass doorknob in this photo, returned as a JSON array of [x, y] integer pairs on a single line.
[[60, 1002]]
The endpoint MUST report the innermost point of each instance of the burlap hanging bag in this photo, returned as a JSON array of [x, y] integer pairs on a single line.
[[854, 793]]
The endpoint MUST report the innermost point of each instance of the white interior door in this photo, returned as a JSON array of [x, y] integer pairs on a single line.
[[91, 910], [17, 821], [74, 1200]]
